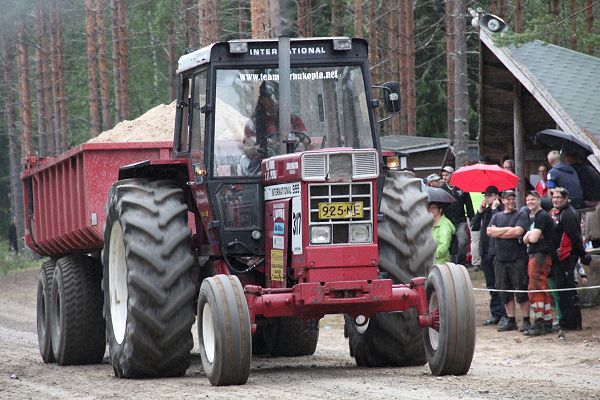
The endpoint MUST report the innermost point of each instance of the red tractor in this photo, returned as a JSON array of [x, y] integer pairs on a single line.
[[256, 229]]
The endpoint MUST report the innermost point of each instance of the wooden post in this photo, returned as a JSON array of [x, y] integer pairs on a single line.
[[518, 142]]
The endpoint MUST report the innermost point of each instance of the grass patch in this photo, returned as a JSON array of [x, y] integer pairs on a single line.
[[10, 261]]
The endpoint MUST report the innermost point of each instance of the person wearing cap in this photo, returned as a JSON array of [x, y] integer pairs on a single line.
[[456, 214], [442, 232], [479, 223], [434, 180], [510, 264], [567, 249], [262, 129], [539, 239]]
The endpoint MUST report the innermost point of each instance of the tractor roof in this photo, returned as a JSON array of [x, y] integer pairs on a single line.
[[203, 55]]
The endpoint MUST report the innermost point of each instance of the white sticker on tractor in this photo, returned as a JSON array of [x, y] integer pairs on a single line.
[[296, 225], [278, 242], [282, 191]]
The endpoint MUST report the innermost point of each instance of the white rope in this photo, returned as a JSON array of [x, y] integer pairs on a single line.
[[537, 291]]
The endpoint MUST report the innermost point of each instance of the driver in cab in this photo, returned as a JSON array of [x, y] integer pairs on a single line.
[[261, 133]]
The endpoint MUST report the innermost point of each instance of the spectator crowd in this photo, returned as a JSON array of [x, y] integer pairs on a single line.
[[524, 251]]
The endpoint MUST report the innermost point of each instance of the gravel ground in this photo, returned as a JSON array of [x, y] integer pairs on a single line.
[[505, 366]]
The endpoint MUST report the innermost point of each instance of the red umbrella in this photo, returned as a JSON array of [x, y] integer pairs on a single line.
[[477, 177]]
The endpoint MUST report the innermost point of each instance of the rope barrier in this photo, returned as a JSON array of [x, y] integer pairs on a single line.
[[537, 291]]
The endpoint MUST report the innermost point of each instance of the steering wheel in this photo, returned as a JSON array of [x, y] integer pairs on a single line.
[[273, 148]]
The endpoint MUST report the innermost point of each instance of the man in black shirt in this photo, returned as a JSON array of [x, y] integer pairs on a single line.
[[510, 264], [489, 206], [455, 212], [539, 247]]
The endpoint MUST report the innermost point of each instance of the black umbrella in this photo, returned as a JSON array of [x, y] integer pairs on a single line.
[[564, 141], [437, 195]]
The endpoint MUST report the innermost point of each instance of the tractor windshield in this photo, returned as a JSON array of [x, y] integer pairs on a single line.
[[328, 104]]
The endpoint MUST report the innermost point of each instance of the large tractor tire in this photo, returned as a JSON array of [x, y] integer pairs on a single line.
[[148, 290], [43, 310], [286, 337], [224, 331], [76, 323], [406, 250], [450, 347]]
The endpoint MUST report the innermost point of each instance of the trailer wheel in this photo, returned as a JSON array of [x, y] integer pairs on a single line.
[[406, 250], [76, 323], [450, 348], [43, 310], [224, 331], [148, 290]]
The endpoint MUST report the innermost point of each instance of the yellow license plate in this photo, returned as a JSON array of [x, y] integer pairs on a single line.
[[340, 210]]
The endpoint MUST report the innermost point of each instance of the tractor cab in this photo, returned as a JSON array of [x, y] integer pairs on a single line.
[[228, 122]]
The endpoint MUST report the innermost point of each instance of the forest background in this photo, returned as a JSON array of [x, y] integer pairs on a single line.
[[73, 68]]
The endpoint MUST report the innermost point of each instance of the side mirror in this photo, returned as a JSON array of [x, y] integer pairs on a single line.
[[391, 97]]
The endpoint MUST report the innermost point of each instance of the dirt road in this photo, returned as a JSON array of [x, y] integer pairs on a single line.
[[506, 366]]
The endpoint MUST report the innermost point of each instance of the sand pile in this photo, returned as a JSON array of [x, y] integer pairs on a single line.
[[156, 125]]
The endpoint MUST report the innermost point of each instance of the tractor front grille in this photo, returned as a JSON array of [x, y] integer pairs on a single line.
[[340, 193]]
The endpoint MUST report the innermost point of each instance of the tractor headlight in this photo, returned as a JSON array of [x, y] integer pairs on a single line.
[[320, 234], [360, 233]]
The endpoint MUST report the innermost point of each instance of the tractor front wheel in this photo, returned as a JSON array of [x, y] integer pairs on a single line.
[[224, 331], [451, 345]]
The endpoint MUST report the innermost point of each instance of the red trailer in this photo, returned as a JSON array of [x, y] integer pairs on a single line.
[[65, 196]]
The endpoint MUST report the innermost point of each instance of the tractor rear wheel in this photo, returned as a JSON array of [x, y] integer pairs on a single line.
[[224, 331], [406, 250], [293, 337], [450, 348], [148, 290], [76, 324], [43, 310]]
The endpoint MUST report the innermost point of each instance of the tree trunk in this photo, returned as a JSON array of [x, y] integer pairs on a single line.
[[403, 63], [393, 60], [103, 66], [261, 24], [589, 24], [304, 18], [123, 60], [574, 18], [115, 57], [358, 18], [208, 18], [172, 57], [92, 59], [518, 16], [450, 67], [41, 66], [335, 18], [411, 89], [24, 91], [190, 16], [373, 41], [16, 193], [58, 81], [242, 18], [555, 11], [461, 93]]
